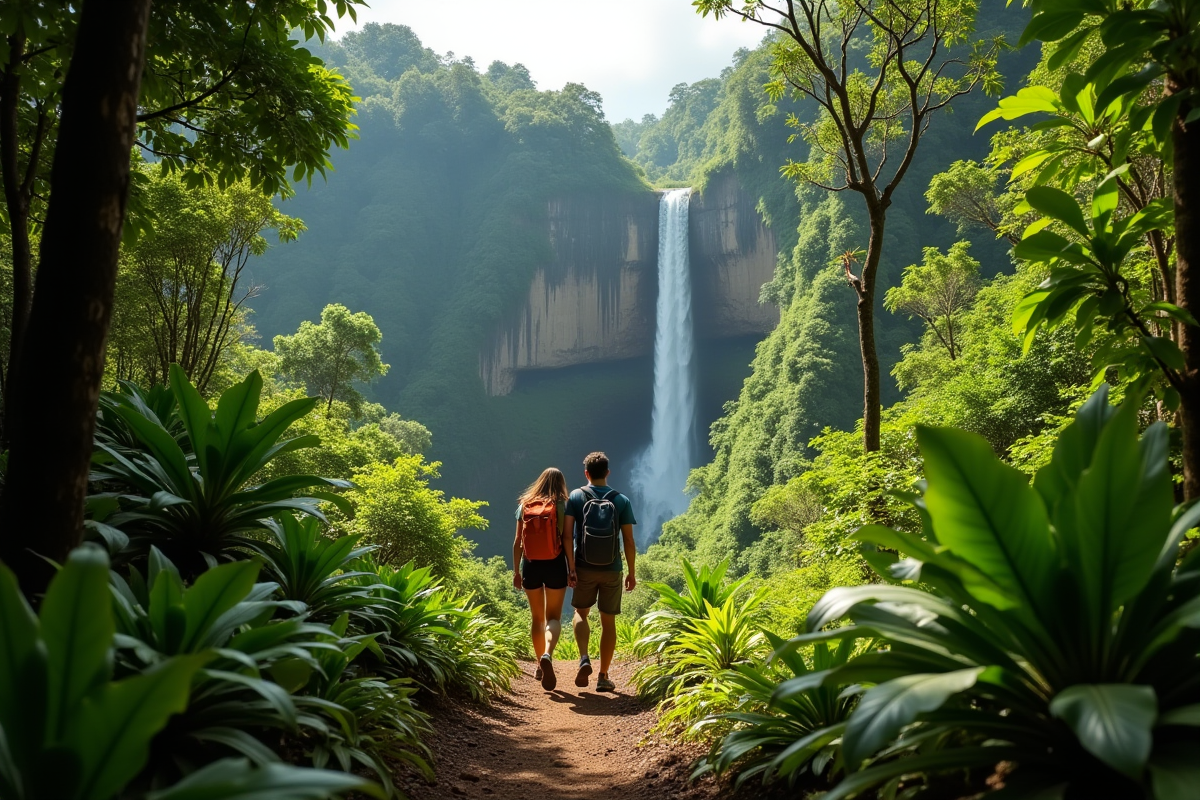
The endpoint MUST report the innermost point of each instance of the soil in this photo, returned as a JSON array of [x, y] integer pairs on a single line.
[[568, 744]]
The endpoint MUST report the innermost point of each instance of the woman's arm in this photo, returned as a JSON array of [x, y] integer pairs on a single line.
[[517, 557], [568, 545]]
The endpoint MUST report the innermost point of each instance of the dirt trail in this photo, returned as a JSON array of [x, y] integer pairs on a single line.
[[569, 744]]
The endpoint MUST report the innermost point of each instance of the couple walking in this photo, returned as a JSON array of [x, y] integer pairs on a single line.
[[599, 521]]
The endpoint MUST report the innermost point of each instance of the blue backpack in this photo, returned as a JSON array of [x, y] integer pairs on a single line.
[[601, 530]]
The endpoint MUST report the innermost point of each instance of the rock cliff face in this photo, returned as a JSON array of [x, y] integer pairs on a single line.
[[733, 254], [595, 299]]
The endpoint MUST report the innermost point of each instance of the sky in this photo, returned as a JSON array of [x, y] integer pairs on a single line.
[[630, 51]]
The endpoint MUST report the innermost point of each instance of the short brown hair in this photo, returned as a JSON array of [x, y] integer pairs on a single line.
[[596, 465]]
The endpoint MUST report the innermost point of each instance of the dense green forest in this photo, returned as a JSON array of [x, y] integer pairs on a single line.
[[947, 541]]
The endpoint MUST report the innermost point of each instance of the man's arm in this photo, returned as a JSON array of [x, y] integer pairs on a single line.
[[517, 558], [630, 556], [568, 544]]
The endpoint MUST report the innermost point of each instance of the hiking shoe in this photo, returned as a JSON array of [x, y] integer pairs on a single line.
[[585, 670], [537, 673], [603, 684], [546, 667]]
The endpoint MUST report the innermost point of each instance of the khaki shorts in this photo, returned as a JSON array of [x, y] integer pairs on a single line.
[[602, 584]]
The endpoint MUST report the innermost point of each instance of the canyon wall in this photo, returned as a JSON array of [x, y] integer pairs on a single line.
[[595, 299], [733, 254]]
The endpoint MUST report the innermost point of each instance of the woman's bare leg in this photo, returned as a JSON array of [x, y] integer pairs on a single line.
[[537, 606], [554, 605]]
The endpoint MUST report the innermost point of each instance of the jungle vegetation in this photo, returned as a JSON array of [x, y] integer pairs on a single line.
[[226, 570]]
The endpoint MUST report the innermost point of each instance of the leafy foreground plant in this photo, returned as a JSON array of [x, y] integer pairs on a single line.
[[673, 616], [193, 502], [1060, 639], [69, 732], [235, 705], [438, 639], [782, 736], [693, 644], [317, 571]]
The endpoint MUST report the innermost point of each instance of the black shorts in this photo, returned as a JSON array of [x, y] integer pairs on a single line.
[[550, 573]]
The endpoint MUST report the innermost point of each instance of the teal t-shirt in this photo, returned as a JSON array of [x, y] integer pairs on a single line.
[[624, 517]]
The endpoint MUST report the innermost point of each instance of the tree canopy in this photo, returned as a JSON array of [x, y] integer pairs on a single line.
[[331, 356]]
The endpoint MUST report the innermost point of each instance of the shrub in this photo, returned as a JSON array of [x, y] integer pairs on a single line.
[[694, 641], [316, 570], [408, 521]]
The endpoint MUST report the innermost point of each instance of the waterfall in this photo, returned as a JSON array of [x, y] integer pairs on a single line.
[[660, 473]]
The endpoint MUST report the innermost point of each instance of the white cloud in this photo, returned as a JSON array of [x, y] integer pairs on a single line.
[[630, 51]]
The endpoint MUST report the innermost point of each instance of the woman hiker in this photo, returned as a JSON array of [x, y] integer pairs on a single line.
[[540, 551]]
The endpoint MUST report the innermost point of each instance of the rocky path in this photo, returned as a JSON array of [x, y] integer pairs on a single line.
[[569, 744]]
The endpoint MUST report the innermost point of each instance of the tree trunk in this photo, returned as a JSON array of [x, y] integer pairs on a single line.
[[17, 205], [58, 372], [1187, 288], [866, 330]]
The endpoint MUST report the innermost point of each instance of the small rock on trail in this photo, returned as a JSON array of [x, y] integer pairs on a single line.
[[569, 744]]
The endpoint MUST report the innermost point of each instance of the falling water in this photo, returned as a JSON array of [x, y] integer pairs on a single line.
[[661, 472]]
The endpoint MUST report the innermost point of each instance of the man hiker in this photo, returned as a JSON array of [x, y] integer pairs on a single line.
[[602, 519]]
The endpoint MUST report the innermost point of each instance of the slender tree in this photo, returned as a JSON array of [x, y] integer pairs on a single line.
[[57, 374], [182, 287], [917, 56]]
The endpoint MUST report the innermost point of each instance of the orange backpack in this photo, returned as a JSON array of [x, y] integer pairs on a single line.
[[539, 530]]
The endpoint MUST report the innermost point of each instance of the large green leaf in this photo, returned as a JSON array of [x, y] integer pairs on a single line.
[[1175, 772], [113, 730], [237, 408], [237, 779], [1113, 722], [162, 446], [1074, 450], [888, 707], [20, 701], [951, 758], [216, 591], [1058, 204], [77, 627], [196, 416], [839, 601], [985, 512], [1122, 513]]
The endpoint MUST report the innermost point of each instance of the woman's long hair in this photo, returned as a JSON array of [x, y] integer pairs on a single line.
[[550, 485]]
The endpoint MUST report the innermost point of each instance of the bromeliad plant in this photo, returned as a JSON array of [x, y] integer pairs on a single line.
[[673, 615], [1061, 637], [782, 735], [694, 641], [355, 719], [318, 571], [195, 500], [236, 701], [435, 637]]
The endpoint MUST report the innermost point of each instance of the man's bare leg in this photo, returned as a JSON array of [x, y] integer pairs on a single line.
[[608, 640], [583, 636]]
